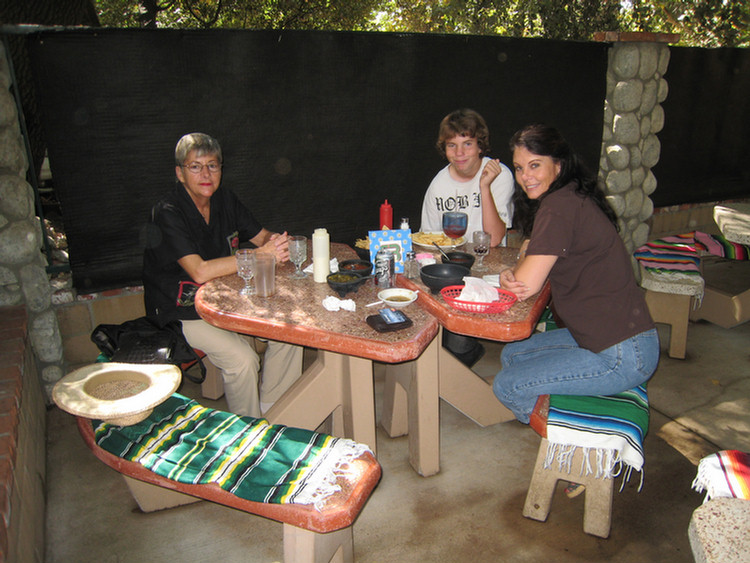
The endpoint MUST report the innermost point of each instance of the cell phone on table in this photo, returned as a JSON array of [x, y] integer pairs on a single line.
[[389, 319]]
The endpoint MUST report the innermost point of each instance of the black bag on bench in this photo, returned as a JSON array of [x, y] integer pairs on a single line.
[[143, 341]]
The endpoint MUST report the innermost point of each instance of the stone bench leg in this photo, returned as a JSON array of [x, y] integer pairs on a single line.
[[213, 386], [672, 309], [152, 497], [300, 546], [597, 508], [304, 546]]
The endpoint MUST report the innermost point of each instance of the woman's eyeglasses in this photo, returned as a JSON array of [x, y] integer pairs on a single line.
[[197, 167]]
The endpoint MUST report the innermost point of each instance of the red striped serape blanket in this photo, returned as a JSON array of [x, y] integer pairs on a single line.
[[718, 245], [724, 474], [680, 254], [671, 254]]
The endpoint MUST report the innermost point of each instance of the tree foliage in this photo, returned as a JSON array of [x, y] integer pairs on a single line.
[[243, 14], [706, 23]]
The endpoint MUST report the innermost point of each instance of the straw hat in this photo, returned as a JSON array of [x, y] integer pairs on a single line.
[[121, 394]]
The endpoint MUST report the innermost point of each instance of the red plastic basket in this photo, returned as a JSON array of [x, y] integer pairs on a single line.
[[451, 293]]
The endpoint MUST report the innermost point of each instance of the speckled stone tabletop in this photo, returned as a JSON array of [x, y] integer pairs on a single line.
[[516, 323], [295, 314]]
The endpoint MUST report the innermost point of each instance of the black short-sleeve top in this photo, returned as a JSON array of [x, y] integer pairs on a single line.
[[177, 229]]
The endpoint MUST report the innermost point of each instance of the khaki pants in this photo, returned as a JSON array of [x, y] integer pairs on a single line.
[[234, 354]]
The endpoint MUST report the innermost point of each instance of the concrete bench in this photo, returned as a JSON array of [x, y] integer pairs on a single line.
[[670, 301], [311, 534], [719, 531], [726, 301], [594, 434]]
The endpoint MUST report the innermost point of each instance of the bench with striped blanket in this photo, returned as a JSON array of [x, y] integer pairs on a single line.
[[588, 440], [314, 483]]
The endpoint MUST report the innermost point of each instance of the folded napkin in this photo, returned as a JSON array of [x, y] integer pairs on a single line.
[[477, 290], [492, 279], [334, 266], [332, 303]]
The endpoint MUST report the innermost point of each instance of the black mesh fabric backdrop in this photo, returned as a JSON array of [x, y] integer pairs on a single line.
[[706, 137], [317, 128]]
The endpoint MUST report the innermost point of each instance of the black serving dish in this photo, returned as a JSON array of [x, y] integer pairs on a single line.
[[460, 258], [438, 276], [344, 282], [363, 253], [357, 267]]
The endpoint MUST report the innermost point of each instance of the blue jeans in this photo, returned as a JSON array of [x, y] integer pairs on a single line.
[[553, 363]]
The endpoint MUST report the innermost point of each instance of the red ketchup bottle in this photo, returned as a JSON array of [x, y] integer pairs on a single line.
[[386, 216]]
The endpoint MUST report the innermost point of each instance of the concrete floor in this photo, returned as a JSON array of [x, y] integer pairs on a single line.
[[469, 512]]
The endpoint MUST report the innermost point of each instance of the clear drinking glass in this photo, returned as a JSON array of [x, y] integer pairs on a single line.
[[245, 268], [481, 241], [298, 255], [454, 224]]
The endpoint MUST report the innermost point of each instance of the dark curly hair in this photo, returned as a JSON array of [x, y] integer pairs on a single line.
[[543, 140]]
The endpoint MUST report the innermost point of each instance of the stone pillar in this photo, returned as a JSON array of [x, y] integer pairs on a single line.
[[23, 277], [632, 117]]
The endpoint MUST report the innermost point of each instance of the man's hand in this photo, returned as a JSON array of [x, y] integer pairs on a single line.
[[491, 171]]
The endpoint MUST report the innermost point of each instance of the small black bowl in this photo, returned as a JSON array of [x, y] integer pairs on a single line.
[[438, 276], [357, 267], [343, 282], [460, 258], [363, 253]]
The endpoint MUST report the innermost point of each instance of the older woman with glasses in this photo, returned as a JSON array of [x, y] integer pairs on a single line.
[[192, 236]]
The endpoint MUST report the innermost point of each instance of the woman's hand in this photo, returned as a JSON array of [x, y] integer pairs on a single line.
[[508, 281], [278, 245], [530, 272]]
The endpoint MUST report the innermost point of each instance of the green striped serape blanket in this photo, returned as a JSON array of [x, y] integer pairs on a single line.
[[612, 426], [248, 457]]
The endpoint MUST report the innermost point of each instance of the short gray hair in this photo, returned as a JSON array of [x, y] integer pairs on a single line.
[[201, 143]]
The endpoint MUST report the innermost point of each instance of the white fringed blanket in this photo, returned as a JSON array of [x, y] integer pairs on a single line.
[[612, 426]]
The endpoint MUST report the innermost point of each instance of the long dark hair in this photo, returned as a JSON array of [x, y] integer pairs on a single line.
[[543, 140]]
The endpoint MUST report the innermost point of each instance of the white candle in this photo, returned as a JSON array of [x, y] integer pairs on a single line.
[[321, 255]]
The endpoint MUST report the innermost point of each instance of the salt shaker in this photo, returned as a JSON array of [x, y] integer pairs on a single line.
[[321, 255], [404, 223], [411, 266]]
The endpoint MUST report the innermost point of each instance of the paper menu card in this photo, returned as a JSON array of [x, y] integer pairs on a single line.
[[396, 240]]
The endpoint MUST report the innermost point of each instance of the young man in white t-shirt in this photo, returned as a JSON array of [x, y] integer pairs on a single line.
[[472, 182], [475, 184]]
